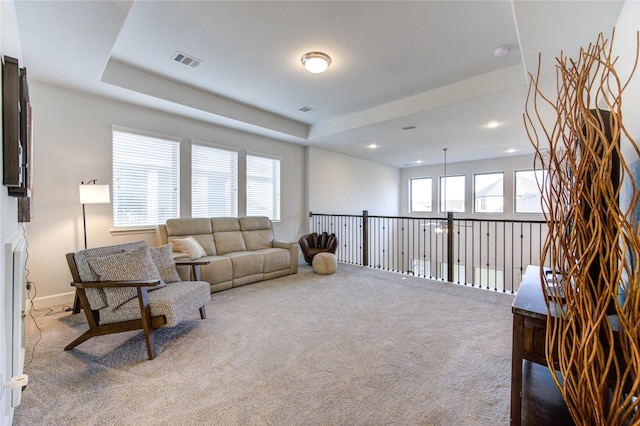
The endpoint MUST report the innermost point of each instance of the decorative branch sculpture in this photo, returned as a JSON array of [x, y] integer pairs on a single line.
[[593, 333]]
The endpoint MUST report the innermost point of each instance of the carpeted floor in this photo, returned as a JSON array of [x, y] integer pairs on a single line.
[[359, 347]]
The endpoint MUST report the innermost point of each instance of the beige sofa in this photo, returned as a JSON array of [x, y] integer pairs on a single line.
[[241, 250]]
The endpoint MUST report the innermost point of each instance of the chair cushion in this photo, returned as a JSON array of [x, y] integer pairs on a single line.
[[176, 301], [95, 296], [163, 259], [189, 246], [136, 264]]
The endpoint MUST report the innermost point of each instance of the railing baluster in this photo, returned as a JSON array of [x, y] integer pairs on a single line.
[[403, 244]]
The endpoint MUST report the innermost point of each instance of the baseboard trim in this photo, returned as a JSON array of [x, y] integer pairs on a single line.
[[48, 301]]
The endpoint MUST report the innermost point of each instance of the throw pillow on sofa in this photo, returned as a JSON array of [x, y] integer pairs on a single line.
[[189, 246]]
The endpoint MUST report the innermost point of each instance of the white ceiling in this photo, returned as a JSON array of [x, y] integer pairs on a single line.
[[427, 64]]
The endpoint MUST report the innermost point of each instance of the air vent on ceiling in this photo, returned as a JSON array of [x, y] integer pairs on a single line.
[[306, 109], [183, 58], [408, 128]]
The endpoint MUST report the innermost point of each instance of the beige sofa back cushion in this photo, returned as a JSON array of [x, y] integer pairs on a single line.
[[229, 242], [221, 224], [256, 240], [198, 228], [257, 232]]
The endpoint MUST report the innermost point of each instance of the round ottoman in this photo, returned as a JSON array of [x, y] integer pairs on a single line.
[[324, 263]]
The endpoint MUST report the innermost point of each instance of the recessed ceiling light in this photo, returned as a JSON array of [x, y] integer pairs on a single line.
[[511, 150], [316, 62], [501, 51], [492, 124], [419, 162], [372, 146]]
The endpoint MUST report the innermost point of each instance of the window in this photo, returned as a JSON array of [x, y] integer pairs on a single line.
[[146, 179], [214, 182], [452, 194], [528, 195], [420, 190], [263, 187], [489, 192]]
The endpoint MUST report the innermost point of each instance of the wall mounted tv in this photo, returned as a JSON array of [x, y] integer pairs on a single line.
[[16, 129]]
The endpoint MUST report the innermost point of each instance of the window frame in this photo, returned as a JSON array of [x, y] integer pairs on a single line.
[[440, 194], [515, 190], [276, 200], [232, 207], [411, 180], [475, 195], [119, 196]]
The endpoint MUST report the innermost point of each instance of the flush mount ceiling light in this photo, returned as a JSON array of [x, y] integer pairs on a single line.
[[316, 62], [501, 51]]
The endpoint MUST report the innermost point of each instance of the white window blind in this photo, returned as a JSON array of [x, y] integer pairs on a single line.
[[263, 187], [146, 179], [214, 182]]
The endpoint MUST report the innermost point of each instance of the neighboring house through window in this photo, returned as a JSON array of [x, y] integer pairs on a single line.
[[528, 194], [489, 192]]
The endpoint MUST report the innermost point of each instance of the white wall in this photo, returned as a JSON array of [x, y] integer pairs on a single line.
[[72, 143], [625, 45], [508, 165], [342, 184], [9, 228]]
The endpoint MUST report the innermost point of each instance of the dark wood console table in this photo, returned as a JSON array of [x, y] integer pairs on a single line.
[[529, 335]]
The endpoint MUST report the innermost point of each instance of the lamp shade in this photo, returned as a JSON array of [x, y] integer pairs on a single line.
[[94, 194]]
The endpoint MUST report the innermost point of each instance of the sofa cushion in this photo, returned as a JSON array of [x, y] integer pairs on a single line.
[[253, 223], [221, 224], [218, 271], [246, 263], [163, 259], [256, 240], [229, 242], [275, 259], [134, 264], [190, 246], [183, 227]]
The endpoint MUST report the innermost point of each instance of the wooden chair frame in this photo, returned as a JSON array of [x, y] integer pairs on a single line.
[[148, 323]]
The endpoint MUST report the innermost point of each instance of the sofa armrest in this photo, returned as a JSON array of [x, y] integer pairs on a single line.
[[293, 247]]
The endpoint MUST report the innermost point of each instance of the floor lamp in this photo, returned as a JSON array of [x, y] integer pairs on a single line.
[[90, 193]]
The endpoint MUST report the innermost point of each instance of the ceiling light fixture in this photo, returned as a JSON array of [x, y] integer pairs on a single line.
[[501, 51], [372, 146], [492, 124], [316, 62]]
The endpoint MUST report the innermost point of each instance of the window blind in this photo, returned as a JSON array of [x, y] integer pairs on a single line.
[[146, 179], [214, 182], [263, 186]]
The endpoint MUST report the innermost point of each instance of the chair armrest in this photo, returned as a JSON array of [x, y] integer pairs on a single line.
[[132, 283], [194, 266], [293, 247]]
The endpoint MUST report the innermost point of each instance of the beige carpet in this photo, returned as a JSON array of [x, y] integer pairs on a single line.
[[360, 347]]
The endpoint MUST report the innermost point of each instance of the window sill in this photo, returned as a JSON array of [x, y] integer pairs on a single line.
[[133, 230]]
